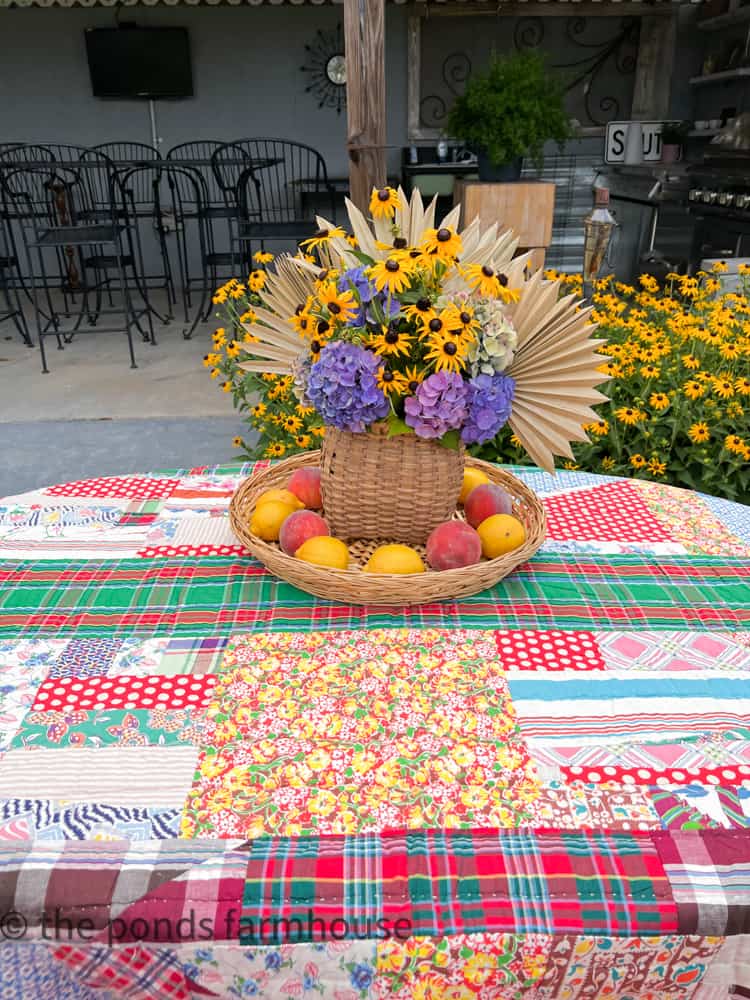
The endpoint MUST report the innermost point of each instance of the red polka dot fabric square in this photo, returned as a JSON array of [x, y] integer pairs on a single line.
[[173, 551], [548, 650], [118, 488], [73, 693], [614, 512]]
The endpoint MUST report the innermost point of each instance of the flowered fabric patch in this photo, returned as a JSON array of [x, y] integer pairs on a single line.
[[365, 732], [105, 727], [691, 520]]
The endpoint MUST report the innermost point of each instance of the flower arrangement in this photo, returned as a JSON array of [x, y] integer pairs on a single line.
[[679, 389], [405, 326]]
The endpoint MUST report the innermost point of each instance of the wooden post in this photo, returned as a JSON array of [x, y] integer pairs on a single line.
[[653, 74], [364, 42]]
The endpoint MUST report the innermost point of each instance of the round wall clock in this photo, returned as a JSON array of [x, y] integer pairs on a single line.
[[326, 66]]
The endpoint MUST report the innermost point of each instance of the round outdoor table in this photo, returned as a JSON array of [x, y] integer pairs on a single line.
[[215, 785]]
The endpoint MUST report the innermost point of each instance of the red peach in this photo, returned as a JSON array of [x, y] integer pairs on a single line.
[[305, 484], [484, 501], [453, 544], [298, 527]]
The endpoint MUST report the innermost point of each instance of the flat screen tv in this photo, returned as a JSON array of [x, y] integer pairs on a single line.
[[139, 62]]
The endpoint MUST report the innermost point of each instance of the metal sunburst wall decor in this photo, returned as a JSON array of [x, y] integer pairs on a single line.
[[326, 67]]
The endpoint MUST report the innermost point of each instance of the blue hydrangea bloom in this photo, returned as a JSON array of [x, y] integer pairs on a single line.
[[343, 388], [490, 400], [438, 406]]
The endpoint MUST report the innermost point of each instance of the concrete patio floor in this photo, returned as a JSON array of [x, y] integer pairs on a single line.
[[94, 415]]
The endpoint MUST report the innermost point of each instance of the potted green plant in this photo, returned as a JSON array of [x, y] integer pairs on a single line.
[[673, 134], [509, 112]]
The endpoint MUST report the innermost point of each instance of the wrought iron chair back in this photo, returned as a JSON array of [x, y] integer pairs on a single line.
[[198, 156]]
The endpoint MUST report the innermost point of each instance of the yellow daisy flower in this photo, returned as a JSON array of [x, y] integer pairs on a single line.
[[391, 273], [734, 444], [637, 461], [693, 389], [275, 450], [391, 382], [690, 361], [391, 341], [323, 236], [699, 432], [723, 386], [444, 243], [237, 442], [422, 311], [657, 468], [384, 202], [259, 409], [256, 280], [742, 385], [629, 415], [659, 400], [263, 257], [303, 440], [341, 305], [414, 377], [445, 353]]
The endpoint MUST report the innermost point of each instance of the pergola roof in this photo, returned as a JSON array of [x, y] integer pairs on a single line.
[[495, 4]]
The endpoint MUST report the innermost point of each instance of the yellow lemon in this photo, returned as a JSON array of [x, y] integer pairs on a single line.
[[472, 477], [501, 533], [394, 559], [324, 551], [267, 519], [285, 496]]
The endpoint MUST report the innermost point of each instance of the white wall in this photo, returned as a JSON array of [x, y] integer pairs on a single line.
[[246, 69]]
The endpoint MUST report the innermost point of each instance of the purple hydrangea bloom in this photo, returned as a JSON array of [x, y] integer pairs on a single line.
[[342, 387], [490, 400], [438, 406], [356, 279]]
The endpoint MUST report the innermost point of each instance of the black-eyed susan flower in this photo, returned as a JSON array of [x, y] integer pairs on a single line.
[[699, 432], [237, 442], [656, 467], [637, 461], [237, 291], [735, 444], [693, 389], [608, 463], [391, 341], [391, 382], [226, 386], [393, 274], [742, 385], [323, 236], [384, 202], [290, 423], [658, 400], [304, 411], [629, 415], [599, 428], [444, 353], [690, 361], [723, 386], [275, 450], [263, 257], [303, 440], [256, 280], [650, 370], [318, 430], [342, 306], [444, 243], [211, 360], [259, 410], [414, 377], [421, 311], [232, 349], [219, 337], [248, 316]]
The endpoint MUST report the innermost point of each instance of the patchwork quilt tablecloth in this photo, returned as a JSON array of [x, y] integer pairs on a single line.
[[215, 785]]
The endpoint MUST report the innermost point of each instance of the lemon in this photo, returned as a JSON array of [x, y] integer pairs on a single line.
[[285, 496], [268, 517], [472, 477], [501, 533], [394, 559], [324, 551]]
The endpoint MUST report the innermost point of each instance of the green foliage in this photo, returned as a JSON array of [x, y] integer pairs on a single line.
[[511, 110]]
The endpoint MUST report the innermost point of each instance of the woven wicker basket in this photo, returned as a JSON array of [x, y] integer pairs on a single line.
[[352, 586], [399, 487]]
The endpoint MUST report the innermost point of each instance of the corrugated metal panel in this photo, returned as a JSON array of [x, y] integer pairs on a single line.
[[573, 177]]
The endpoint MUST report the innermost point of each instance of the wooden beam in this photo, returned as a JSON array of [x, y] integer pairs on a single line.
[[364, 41], [545, 8], [653, 72]]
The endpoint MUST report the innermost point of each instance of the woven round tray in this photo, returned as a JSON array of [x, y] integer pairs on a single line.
[[353, 586]]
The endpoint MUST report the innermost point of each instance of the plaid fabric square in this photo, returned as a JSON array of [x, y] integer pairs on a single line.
[[615, 512], [119, 487], [31, 971], [137, 972], [144, 512], [673, 651], [85, 657], [709, 872], [451, 882]]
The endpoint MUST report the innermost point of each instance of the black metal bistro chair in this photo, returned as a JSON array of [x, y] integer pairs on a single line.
[[74, 209], [181, 199], [142, 210], [268, 193]]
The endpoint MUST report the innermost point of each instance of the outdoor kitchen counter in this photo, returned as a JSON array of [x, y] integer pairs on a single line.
[[540, 791]]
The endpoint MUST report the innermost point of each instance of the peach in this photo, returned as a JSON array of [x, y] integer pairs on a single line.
[[453, 544], [484, 501], [298, 527], [305, 484]]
